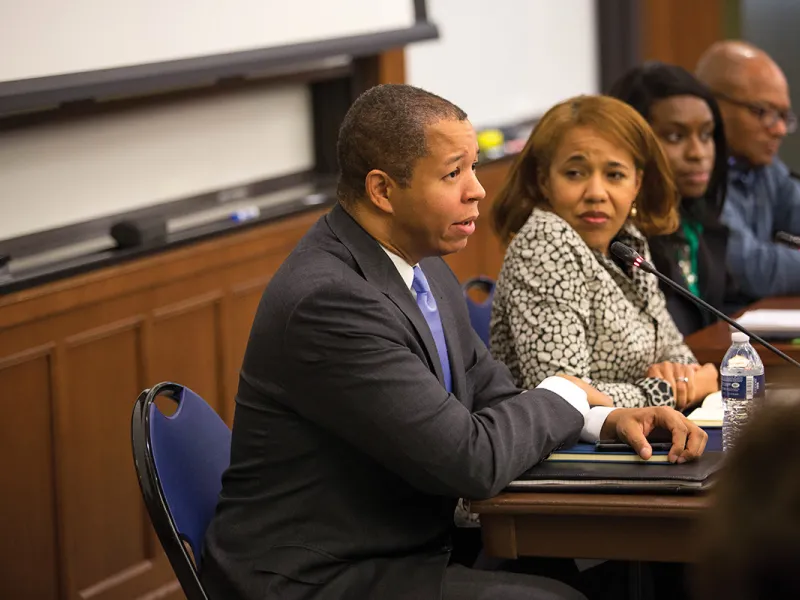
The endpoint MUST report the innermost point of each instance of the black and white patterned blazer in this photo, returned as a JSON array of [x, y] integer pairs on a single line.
[[560, 307]]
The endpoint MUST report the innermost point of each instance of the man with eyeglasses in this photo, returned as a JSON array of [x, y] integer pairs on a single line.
[[763, 200]]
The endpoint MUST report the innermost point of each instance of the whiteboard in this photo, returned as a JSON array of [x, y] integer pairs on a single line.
[[69, 171], [41, 38], [510, 60]]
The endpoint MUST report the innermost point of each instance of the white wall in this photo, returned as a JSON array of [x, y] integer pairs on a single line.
[[504, 61], [60, 174], [51, 37], [65, 173], [501, 61]]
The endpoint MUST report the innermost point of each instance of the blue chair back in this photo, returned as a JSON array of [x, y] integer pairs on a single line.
[[480, 313], [179, 461]]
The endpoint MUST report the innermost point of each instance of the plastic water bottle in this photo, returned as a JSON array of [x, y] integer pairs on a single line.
[[742, 386]]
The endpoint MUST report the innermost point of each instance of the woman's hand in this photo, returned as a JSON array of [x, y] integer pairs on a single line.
[[690, 383], [706, 381]]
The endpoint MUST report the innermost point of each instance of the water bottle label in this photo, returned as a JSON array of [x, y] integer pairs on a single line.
[[742, 387]]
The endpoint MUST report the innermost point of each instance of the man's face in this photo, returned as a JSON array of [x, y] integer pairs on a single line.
[[436, 213], [755, 113]]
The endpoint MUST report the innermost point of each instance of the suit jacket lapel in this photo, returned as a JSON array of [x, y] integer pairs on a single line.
[[380, 272]]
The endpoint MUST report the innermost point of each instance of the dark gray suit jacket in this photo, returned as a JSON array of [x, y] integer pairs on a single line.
[[348, 455]]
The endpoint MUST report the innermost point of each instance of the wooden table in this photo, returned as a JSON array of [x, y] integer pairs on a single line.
[[710, 344], [634, 527]]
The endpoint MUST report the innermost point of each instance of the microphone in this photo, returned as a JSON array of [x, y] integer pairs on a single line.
[[629, 256]]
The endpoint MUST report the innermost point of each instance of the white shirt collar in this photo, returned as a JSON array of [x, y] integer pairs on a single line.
[[406, 270], [593, 417]]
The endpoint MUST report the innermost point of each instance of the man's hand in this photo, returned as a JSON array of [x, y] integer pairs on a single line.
[[633, 425], [593, 396]]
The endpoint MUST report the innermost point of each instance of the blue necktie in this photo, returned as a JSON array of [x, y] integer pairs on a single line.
[[427, 304]]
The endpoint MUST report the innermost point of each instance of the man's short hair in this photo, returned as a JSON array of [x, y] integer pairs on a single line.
[[385, 129]]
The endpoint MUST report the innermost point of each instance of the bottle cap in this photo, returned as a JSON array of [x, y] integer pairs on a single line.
[[739, 337]]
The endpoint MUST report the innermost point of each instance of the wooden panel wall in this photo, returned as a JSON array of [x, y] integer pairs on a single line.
[[29, 556], [679, 31], [74, 355], [387, 67]]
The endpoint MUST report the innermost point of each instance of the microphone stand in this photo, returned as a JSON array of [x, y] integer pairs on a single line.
[[682, 290]]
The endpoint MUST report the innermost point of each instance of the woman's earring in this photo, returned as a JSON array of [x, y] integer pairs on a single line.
[[633, 210]]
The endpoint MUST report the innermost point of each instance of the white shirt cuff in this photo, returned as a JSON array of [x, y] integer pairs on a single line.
[[593, 422], [593, 418]]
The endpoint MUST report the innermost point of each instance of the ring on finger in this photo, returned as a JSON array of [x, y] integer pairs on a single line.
[[683, 379]]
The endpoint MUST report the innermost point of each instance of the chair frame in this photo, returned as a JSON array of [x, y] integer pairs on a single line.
[[181, 561], [483, 281], [487, 285]]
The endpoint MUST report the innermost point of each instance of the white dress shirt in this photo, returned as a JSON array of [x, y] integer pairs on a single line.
[[593, 417]]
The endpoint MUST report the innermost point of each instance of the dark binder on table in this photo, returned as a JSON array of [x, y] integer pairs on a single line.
[[583, 452], [662, 478]]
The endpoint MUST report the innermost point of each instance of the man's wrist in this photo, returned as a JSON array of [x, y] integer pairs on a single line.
[[609, 429], [570, 392], [595, 423]]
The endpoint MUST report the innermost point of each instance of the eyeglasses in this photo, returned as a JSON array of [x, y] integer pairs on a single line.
[[768, 116]]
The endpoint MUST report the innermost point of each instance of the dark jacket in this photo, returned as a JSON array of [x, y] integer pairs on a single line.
[[715, 284], [348, 455]]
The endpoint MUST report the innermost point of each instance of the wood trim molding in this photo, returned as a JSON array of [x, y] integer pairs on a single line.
[[99, 333], [188, 305], [43, 351], [149, 272]]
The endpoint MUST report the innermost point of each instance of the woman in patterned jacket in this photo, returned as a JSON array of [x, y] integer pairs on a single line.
[[591, 173]]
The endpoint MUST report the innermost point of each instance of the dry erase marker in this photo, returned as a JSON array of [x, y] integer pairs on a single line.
[[245, 214]]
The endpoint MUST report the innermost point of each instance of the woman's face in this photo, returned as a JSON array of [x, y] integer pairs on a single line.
[[685, 127], [591, 184]]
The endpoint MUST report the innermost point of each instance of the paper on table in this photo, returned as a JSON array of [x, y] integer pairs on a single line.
[[708, 414], [772, 321]]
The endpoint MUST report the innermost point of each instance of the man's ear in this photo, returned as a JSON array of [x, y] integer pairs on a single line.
[[379, 187]]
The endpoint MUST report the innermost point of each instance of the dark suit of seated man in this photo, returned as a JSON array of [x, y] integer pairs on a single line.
[[363, 416]]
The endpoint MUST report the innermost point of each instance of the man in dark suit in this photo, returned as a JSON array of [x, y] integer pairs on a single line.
[[367, 405]]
